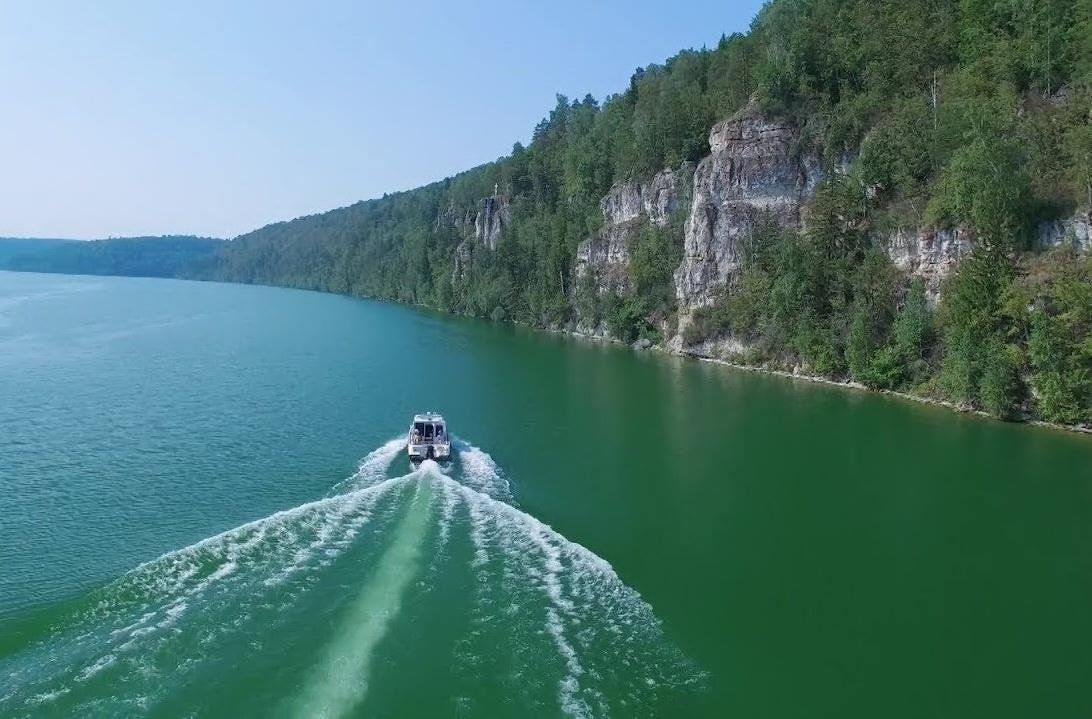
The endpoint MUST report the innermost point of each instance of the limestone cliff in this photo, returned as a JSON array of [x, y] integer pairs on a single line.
[[759, 169], [492, 219], [655, 199], [755, 171], [928, 253], [933, 253], [604, 257], [1074, 231], [482, 227]]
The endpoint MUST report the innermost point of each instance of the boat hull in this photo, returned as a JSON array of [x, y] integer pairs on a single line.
[[421, 452]]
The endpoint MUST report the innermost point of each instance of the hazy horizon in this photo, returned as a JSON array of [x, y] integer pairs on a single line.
[[215, 121]]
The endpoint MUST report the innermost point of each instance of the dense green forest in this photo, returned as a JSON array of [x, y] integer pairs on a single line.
[[974, 114], [167, 256], [14, 247], [967, 113]]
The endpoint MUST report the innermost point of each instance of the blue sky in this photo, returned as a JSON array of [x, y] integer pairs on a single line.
[[131, 118]]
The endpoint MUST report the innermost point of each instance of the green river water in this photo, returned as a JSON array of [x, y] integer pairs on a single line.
[[206, 512]]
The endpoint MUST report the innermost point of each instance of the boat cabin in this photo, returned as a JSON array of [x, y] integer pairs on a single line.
[[428, 437]]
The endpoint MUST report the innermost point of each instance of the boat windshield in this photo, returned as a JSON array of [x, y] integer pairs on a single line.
[[427, 431]]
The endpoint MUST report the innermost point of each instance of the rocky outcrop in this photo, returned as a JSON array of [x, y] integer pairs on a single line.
[[754, 174], [461, 218], [759, 170], [460, 262], [1075, 232], [492, 219], [928, 253], [721, 347], [483, 226], [933, 253], [655, 199], [603, 258], [605, 255]]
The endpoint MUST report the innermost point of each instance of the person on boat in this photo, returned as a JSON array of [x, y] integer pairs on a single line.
[[415, 438]]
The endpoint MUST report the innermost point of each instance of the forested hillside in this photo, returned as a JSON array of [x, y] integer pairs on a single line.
[[13, 247], [899, 194], [167, 256], [972, 116]]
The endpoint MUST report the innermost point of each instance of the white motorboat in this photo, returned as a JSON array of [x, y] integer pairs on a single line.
[[428, 438]]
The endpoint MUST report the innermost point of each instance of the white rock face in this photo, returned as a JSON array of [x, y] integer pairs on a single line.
[[457, 217], [492, 219], [933, 254], [1075, 232], [461, 262], [606, 253], [483, 226], [722, 347], [753, 174], [928, 253], [656, 199]]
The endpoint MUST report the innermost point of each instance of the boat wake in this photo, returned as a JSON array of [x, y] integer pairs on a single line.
[[546, 620]]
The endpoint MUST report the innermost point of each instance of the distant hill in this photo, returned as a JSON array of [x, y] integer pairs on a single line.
[[13, 247], [166, 256]]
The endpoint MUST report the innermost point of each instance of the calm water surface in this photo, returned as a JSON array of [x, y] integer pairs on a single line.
[[206, 512]]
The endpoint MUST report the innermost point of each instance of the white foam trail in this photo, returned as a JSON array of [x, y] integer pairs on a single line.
[[137, 615], [549, 615], [373, 468], [569, 685], [478, 526], [448, 502], [98, 666], [179, 573], [333, 521], [47, 697], [600, 630], [518, 532], [481, 473], [341, 682], [174, 581], [276, 521]]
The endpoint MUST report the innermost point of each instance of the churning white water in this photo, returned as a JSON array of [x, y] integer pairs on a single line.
[[548, 618]]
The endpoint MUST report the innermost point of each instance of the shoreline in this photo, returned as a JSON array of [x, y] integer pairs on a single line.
[[849, 384], [843, 384]]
